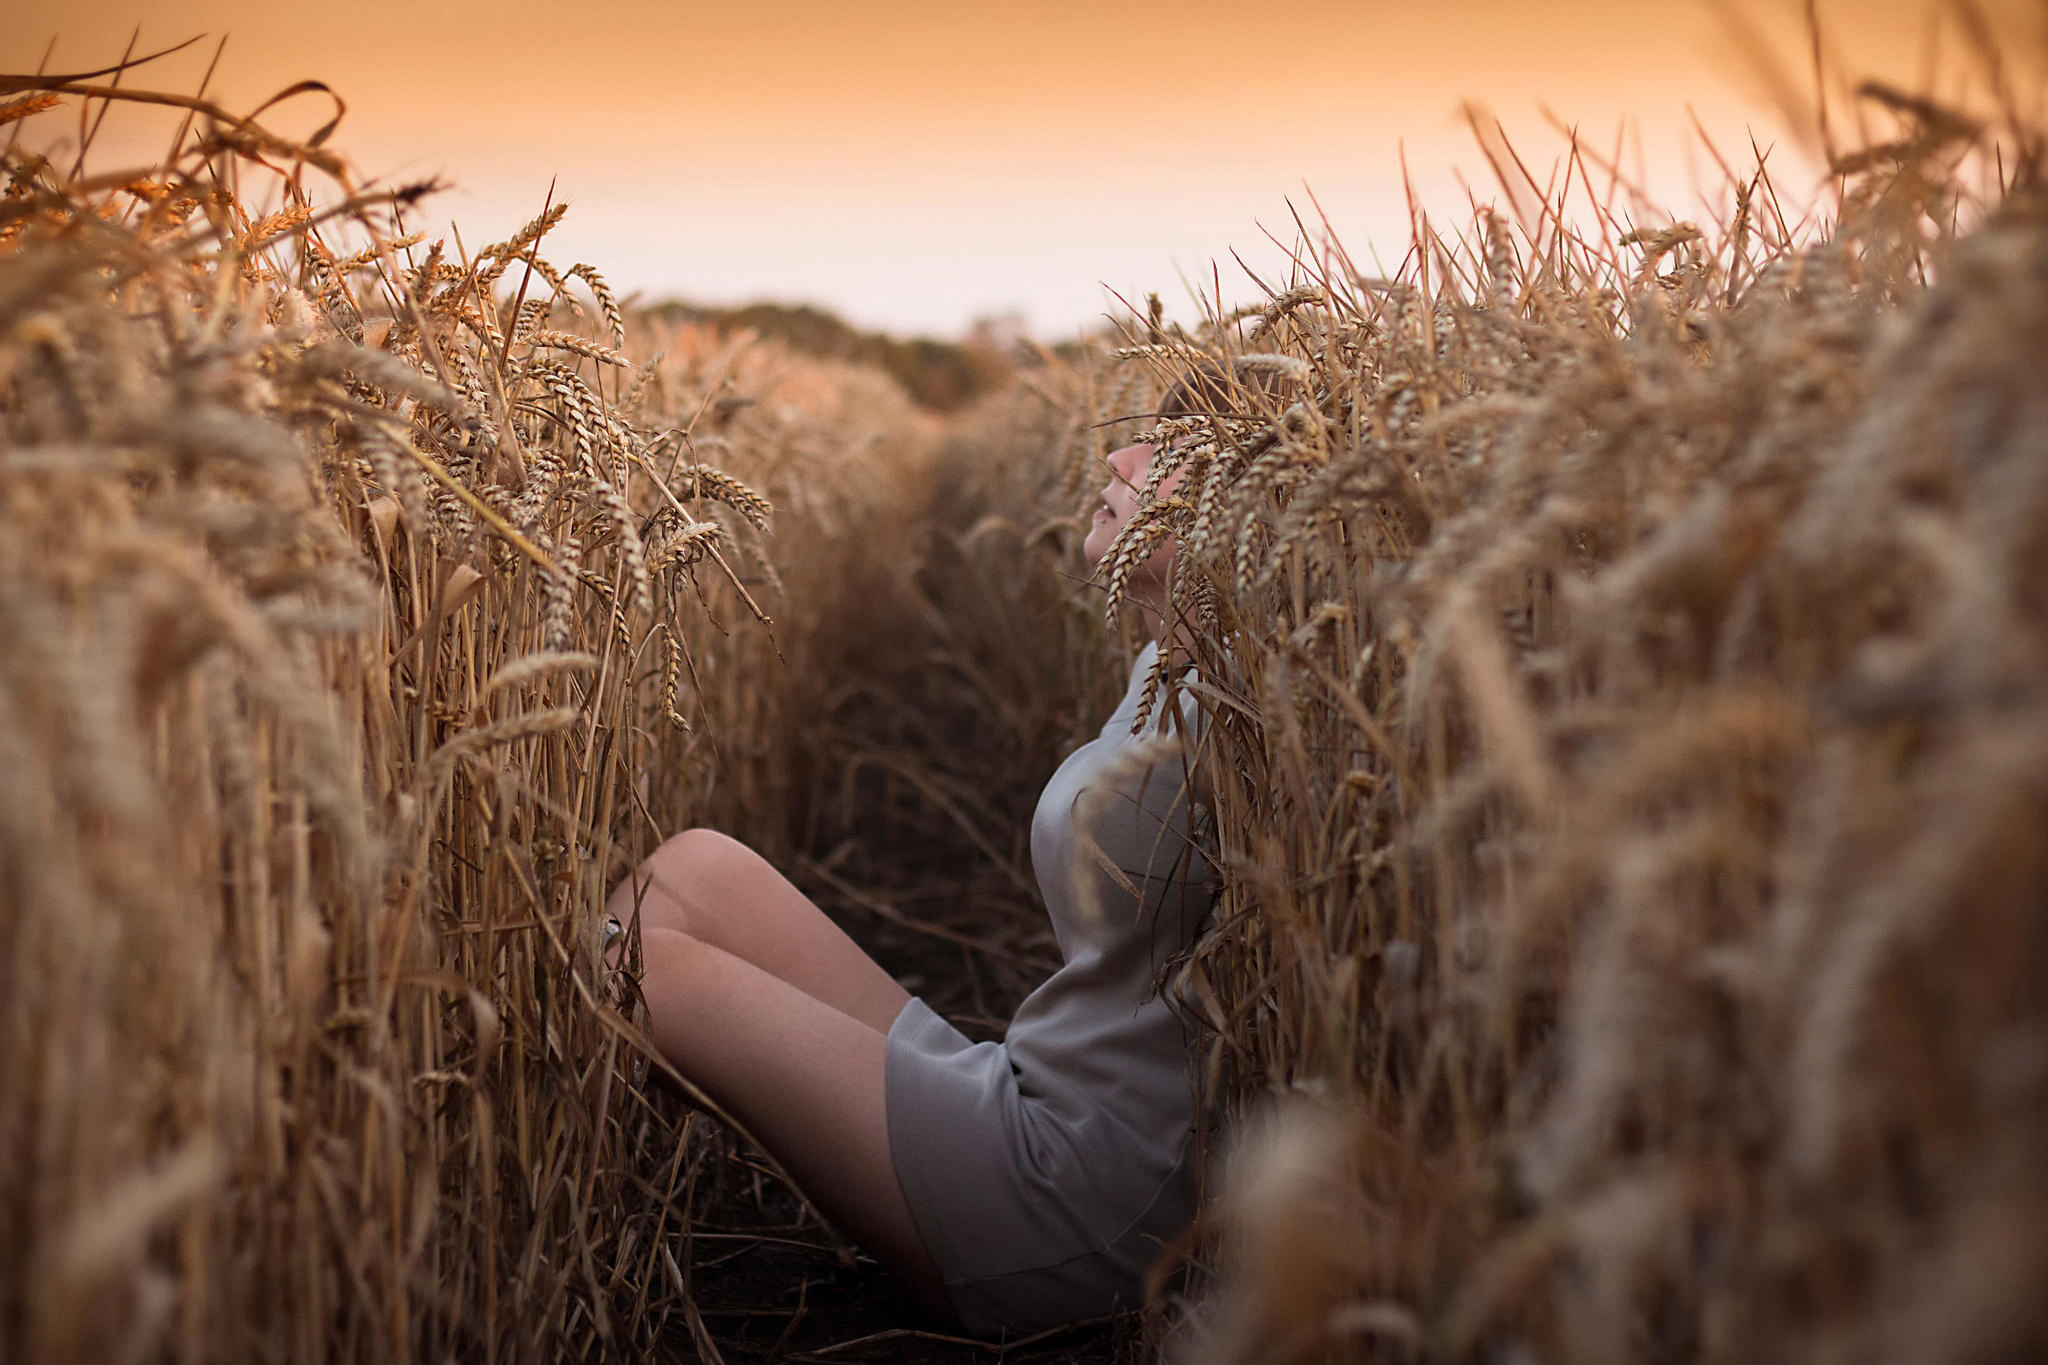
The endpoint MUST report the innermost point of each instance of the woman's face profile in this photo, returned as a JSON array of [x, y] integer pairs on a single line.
[[1128, 468]]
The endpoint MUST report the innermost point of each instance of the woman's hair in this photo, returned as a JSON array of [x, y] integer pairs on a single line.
[[1208, 388]]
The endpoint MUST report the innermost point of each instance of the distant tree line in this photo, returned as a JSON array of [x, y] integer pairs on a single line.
[[941, 375]]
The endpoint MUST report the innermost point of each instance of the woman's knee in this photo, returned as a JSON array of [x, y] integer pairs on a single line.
[[683, 880], [701, 850]]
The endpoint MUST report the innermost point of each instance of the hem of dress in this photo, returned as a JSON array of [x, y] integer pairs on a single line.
[[914, 1018]]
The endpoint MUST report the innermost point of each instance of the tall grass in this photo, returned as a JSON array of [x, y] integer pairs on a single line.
[[1627, 681], [366, 614]]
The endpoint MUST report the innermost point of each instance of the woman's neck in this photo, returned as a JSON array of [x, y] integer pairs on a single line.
[[1149, 597], [1153, 621]]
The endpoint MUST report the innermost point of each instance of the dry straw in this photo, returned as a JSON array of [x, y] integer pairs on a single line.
[[338, 689], [1626, 680]]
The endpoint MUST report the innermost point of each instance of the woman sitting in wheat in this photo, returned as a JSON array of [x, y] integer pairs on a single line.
[[1015, 1185]]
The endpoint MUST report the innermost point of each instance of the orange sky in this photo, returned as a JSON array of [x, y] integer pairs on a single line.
[[916, 164]]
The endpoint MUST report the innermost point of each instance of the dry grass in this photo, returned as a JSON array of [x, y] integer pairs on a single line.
[[1628, 681], [357, 595]]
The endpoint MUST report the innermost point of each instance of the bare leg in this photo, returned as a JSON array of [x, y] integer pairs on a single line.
[[805, 1078], [760, 999], [721, 892]]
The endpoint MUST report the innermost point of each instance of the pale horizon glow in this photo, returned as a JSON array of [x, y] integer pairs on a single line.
[[914, 166]]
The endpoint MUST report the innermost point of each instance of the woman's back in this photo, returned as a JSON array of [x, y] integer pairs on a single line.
[[1043, 1171]]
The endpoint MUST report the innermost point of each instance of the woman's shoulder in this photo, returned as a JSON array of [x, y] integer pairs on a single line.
[[1123, 720], [1149, 678]]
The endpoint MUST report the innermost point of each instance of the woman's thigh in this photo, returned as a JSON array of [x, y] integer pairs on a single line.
[[806, 1079], [721, 892]]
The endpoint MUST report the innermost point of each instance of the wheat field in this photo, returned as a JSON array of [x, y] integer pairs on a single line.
[[1626, 674]]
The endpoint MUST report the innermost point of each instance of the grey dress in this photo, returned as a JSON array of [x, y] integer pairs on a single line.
[[1046, 1171]]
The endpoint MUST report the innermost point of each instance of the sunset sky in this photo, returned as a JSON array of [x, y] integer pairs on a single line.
[[914, 165]]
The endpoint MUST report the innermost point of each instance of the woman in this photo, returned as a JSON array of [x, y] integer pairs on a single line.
[[1016, 1185]]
